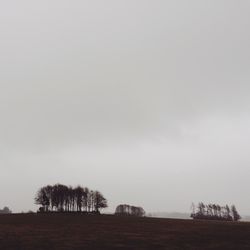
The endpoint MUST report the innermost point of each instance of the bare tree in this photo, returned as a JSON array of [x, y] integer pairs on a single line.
[[236, 216], [214, 212]]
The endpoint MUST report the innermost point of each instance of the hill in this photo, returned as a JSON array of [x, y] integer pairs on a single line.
[[75, 231]]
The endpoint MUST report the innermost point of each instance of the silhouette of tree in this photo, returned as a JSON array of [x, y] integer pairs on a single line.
[[219, 210], [236, 216], [192, 208], [85, 198], [90, 198], [5, 210], [62, 198], [124, 209], [99, 201], [48, 190], [214, 212], [42, 199], [228, 213], [71, 198], [78, 192]]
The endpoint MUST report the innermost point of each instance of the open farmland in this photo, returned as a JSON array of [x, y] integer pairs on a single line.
[[74, 231]]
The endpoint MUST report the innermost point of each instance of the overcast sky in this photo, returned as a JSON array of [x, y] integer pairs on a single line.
[[146, 101]]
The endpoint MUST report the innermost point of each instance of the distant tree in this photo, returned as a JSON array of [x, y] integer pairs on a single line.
[[71, 199], [219, 210], [90, 201], [236, 216], [210, 207], [85, 199], [201, 208], [214, 212], [5, 210], [48, 190], [62, 198], [78, 191], [99, 201], [192, 208], [228, 213], [124, 209], [42, 199]]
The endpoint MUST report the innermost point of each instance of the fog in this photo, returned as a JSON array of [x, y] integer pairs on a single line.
[[146, 101]]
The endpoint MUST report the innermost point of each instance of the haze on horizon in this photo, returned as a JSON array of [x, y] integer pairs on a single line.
[[146, 101]]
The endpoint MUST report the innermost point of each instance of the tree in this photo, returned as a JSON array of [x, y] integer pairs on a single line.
[[85, 198], [228, 213], [42, 199], [48, 190], [90, 201], [236, 216], [219, 210], [79, 194], [214, 212], [63, 198], [99, 201], [124, 209], [5, 210]]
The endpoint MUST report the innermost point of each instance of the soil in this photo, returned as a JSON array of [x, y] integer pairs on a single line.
[[77, 231]]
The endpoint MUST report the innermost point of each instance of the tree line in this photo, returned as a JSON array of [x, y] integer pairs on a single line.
[[61, 198], [215, 212], [125, 209]]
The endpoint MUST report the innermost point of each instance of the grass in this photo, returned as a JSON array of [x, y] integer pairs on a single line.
[[75, 231]]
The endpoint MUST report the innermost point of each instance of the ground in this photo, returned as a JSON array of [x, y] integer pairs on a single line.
[[75, 231]]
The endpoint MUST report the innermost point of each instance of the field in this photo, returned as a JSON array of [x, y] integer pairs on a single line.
[[74, 231]]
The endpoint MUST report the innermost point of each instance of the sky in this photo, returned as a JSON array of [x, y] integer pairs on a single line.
[[145, 101]]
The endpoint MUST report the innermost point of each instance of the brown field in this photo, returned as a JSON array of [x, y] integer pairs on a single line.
[[74, 231]]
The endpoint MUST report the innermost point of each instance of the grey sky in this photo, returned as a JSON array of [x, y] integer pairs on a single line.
[[147, 101]]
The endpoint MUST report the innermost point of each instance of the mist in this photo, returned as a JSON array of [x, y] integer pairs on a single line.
[[146, 101]]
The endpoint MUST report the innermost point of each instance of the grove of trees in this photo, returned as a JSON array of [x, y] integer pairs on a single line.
[[125, 209], [61, 198], [215, 212]]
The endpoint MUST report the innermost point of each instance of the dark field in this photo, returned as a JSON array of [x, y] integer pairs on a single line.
[[72, 231]]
